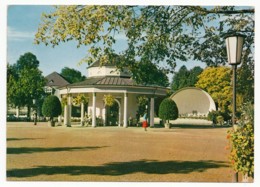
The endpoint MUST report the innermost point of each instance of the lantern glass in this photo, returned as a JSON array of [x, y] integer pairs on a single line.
[[234, 46]]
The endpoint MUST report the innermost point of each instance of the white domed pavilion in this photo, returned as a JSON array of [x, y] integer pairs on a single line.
[[106, 80], [192, 101]]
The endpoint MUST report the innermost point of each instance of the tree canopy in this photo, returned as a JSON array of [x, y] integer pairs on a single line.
[[153, 33], [24, 81], [217, 82], [185, 78], [72, 75], [51, 107], [168, 110]]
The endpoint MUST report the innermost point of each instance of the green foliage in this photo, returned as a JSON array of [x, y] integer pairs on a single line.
[[72, 75], [245, 81], [216, 81], [212, 116], [220, 120], [51, 107], [185, 78], [142, 101], [168, 110], [27, 61], [80, 98], [149, 74], [218, 116], [153, 33], [24, 82], [109, 100], [242, 142]]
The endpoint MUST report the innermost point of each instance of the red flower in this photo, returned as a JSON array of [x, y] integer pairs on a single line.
[[228, 136]]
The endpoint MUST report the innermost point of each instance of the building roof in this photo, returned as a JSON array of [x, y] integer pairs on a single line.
[[55, 79], [110, 81], [106, 80]]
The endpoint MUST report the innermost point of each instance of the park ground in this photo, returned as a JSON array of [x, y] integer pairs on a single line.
[[184, 153]]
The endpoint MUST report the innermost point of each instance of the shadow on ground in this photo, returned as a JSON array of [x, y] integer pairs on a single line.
[[121, 168], [188, 126], [28, 150], [20, 139]]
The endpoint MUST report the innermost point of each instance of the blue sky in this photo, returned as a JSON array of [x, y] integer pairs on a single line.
[[20, 32], [20, 37]]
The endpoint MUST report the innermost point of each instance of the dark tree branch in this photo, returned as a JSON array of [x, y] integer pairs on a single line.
[[230, 12]]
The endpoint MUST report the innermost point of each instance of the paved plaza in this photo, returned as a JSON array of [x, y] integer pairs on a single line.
[[184, 153]]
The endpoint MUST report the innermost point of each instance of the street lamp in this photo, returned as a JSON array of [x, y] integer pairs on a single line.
[[234, 45]]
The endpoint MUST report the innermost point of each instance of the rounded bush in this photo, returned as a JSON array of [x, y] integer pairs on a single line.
[[168, 110], [51, 107]]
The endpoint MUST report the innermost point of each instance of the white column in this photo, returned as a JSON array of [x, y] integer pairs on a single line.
[[152, 112], [69, 111], [59, 120], [82, 114], [119, 116], [119, 112], [65, 115], [94, 110], [125, 109], [17, 112], [104, 116]]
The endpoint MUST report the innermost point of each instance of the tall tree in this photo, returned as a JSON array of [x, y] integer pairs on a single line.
[[217, 82], [149, 74], [24, 82], [245, 82], [153, 33], [185, 78], [72, 75], [180, 78], [194, 73]]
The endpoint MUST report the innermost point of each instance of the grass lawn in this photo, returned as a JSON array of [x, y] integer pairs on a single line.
[[190, 153]]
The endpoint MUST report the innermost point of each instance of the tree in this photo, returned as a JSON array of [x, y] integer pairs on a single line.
[[217, 82], [180, 78], [51, 107], [149, 74], [24, 82], [153, 33], [168, 110], [241, 142], [194, 73], [245, 82], [72, 75], [185, 78]]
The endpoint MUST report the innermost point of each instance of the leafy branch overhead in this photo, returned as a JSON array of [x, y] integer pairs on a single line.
[[153, 33]]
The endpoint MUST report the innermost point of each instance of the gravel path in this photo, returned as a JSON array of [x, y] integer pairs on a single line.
[[184, 153]]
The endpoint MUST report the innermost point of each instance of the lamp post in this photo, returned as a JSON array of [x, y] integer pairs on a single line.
[[234, 45]]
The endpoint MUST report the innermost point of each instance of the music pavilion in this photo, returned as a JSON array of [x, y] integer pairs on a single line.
[[108, 80]]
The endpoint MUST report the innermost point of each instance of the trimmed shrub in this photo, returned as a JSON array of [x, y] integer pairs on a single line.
[[168, 110], [51, 107], [215, 116], [220, 120]]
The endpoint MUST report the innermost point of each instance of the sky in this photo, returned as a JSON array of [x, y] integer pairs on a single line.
[[20, 39]]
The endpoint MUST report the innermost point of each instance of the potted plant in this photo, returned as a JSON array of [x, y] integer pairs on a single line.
[[109, 100], [51, 108], [168, 111]]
